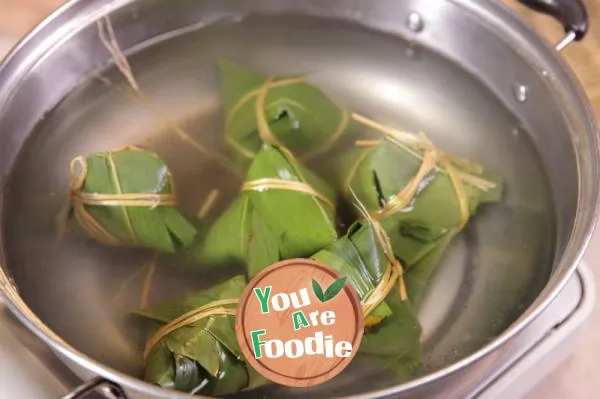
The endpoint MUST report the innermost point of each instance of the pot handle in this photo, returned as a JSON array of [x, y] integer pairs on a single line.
[[110, 389], [572, 14]]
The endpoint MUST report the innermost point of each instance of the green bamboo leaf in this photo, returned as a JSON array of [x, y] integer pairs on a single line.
[[419, 274], [395, 344], [263, 245], [393, 341], [159, 367], [198, 344], [301, 116], [318, 290], [359, 257], [255, 379], [187, 374], [126, 172], [334, 289], [290, 214], [205, 353], [226, 242], [263, 226]]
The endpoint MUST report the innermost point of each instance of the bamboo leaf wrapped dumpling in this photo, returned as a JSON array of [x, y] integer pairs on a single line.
[[126, 197], [422, 197], [361, 257], [283, 111], [195, 349], [365, 257], [283, 211]]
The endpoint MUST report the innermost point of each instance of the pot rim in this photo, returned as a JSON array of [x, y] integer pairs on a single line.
[[572, 256]]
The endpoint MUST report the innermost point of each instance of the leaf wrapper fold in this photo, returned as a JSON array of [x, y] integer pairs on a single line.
[[393, 338], [298, 116], [360, 257], [203, 356], [126, 197], [283, 211]]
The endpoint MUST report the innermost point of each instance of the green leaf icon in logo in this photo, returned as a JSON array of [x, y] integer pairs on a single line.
[[330, 292], [317, 290]]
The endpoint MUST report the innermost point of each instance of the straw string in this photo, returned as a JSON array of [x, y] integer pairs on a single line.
[[432, 158], [286, 185], [208, 203], [411, 143], [403, 198], [79, 199], [394, 272], [108, 39], [260, 95], [221, 307], [264, 130]]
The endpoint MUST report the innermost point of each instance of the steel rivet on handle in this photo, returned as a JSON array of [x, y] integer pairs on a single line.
[[568, 39], [572, 14]]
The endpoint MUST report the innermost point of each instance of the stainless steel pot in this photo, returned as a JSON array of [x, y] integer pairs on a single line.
[[517, 261]]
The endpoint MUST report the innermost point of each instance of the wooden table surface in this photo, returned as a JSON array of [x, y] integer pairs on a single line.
[[583, 57], [578, 377]]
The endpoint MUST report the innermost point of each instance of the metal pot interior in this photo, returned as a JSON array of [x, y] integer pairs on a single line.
[[437, 80]]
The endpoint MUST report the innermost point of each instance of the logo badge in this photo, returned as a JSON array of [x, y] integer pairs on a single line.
[[299, 323]]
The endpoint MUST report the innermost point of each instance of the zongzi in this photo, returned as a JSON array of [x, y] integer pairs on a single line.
[[421, 196], [365, 257], [195, 349], [282, 111], [126, 197], [361, 256], [283, 211]]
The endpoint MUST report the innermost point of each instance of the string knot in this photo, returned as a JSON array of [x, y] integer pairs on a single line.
[[79, 200]]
